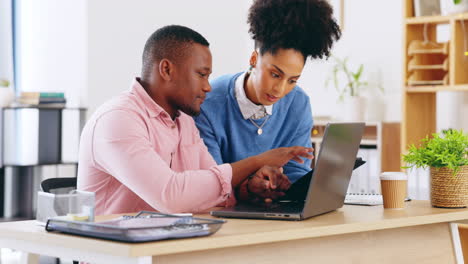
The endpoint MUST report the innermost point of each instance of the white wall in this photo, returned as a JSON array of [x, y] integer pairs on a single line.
[[118, 31]]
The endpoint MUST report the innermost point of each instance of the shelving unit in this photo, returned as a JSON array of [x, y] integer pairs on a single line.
[[33, 137], [448, 67]]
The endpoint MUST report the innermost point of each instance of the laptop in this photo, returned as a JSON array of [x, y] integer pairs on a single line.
[[327, 187]]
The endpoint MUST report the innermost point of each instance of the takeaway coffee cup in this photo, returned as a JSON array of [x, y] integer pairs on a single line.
[[393, 189]]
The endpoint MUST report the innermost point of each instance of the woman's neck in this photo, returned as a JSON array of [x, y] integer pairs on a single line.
[[249, 89]]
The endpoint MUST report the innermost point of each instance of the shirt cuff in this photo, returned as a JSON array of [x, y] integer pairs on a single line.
[[225, 179]]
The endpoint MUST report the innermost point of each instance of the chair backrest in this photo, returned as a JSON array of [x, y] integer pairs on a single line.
[[51, 185]]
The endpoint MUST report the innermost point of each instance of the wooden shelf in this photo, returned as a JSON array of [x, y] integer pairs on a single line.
[[421, 63], [428, 20], [419, 102], [420, 47], [425, 78], [428, 67], [460, 16], [435, 19], [436, 88]]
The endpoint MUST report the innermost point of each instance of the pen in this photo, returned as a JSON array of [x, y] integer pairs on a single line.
[[166, 215], [183, 214]]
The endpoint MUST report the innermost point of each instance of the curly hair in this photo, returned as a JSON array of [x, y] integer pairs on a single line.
[[307, 26]]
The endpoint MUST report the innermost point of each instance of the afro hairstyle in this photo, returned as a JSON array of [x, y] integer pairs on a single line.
[[307, 26]]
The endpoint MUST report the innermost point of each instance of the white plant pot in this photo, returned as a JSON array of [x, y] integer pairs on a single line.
[[375, 109], [6, 96], [447, 7], [354, 109]]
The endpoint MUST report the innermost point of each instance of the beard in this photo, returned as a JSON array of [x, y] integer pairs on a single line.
[[190, 110]]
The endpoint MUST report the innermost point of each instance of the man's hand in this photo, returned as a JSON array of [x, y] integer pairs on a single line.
[[280, 156], [268, 183]]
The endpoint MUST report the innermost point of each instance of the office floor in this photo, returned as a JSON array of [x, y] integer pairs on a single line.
[[8, 256]]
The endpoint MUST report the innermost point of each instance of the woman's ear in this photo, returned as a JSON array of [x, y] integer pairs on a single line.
[[166, 69], [253, 59]]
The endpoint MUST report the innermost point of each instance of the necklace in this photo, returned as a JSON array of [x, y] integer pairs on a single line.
[[259, 130]]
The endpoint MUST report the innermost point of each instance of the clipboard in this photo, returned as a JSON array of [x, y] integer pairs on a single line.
[[143, 227]]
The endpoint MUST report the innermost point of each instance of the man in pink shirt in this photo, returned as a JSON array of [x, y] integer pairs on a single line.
[[142, 151]]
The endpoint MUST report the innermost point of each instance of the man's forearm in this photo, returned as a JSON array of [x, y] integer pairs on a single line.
[[243, 168]]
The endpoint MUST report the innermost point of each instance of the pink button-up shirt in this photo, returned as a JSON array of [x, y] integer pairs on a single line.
[[135, 157]]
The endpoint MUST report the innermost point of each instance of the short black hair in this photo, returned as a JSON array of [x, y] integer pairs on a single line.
[[170, 42], [307, 26]]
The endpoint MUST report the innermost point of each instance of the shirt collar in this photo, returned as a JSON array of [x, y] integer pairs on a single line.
[[152, 108], [247, 107]]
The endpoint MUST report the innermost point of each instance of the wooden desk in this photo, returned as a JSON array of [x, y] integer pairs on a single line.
[[352, 234]]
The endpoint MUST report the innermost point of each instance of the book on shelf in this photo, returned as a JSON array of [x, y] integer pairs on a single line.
[[42, 99], [42, 95], [39, 100], [51, 105]]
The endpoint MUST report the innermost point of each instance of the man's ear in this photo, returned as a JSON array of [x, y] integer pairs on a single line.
[[166, 69], [253, 58]]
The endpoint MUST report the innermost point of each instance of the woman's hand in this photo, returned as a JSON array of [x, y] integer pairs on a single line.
[[268, 184], [280, 156]]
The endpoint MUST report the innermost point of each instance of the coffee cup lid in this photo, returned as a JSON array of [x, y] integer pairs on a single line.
[[393, 175]]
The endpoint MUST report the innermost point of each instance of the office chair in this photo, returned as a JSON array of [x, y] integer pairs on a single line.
[[51, 185], [56, 186]]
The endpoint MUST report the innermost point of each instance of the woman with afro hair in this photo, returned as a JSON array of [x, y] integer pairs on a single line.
[[250, 112]]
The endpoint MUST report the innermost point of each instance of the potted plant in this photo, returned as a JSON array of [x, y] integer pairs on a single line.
[[6, 93], [446, 154], [350, 91]]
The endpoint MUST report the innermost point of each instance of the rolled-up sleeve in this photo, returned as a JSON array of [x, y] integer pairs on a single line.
[[207, 160], [121, 146]]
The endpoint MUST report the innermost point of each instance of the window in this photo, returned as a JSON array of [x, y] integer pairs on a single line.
[[6, 41]]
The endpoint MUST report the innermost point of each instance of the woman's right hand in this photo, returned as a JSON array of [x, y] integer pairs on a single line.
[[280, 156], [274, 158]]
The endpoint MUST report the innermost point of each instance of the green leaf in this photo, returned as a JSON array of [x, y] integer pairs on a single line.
[[4, 83], [446, 149], [357, 75], [457, 1], [352, 84]]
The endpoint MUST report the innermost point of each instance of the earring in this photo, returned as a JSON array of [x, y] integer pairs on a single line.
[[249, 71]]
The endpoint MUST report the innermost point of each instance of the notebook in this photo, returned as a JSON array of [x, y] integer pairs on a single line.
[[363, 199], [366, 199]]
